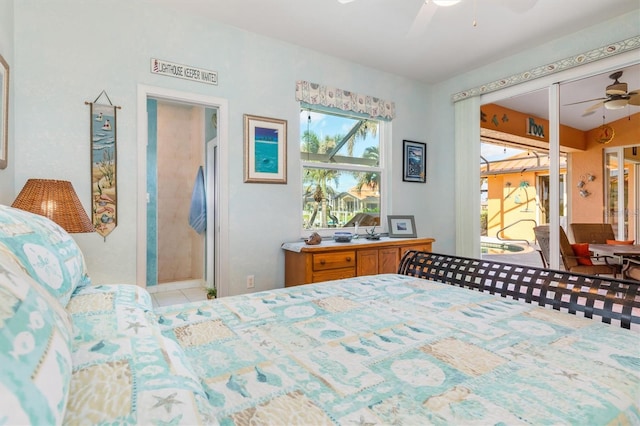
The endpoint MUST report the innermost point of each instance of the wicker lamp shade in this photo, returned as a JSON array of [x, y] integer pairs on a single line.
[[56, 200]]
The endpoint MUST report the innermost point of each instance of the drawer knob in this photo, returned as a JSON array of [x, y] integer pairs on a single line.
[[322, 262], [348, 258]]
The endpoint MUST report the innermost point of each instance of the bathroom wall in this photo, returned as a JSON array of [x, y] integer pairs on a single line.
[[180, 153]]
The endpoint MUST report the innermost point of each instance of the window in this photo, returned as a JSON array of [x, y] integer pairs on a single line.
[[342, 170]]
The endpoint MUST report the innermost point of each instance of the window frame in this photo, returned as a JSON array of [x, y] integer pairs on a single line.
[[383, 168]]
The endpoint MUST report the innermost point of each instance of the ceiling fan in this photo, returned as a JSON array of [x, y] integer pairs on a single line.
[[616, 96]]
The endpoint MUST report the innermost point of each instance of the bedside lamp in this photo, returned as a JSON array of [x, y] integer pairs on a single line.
[[56, 200]]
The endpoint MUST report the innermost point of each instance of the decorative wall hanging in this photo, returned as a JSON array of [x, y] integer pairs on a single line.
[[4, 112], [103, 131], [414, 161], [584, 179], [265, 150], [605, 134]]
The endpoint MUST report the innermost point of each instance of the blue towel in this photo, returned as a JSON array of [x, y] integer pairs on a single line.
[[198, 209]]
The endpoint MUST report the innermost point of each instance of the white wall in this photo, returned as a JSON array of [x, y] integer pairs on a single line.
[[70, 50], [7, 191]]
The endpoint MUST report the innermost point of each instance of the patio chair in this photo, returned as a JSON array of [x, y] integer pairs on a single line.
[[592, 233], [569, 258]]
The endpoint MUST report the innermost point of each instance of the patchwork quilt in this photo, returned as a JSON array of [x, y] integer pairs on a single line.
[[392, 349]]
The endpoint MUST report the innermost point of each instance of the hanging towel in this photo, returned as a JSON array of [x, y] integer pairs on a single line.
[[198, 209]]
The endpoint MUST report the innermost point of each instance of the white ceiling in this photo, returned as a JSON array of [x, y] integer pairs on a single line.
[[380, 33], [537, 103], [426, 42]]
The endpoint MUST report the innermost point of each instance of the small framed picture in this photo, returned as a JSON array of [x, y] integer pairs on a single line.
[[414, 161], [402, 226], [265, 150]]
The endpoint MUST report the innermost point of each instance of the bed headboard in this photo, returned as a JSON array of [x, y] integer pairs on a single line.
[[611, 299]]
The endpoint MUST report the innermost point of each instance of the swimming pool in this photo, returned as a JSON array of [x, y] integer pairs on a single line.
[[500, 248]]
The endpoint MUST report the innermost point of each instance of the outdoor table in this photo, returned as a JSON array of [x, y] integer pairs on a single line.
[[619, 251]]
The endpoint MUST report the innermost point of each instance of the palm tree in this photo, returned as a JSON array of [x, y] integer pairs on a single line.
[[318, 180], [318, 184], [310, 142], [367, 127], [369, 179]]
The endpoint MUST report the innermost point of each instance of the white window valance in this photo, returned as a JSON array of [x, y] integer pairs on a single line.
[[316, 94]]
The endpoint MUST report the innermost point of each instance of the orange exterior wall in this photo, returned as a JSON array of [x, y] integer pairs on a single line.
[[516, 123], [507, 204], [590, 209]]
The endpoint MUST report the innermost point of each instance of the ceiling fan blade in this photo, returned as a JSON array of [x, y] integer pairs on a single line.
[[588, 100], [634, 98], [592, 108], [422, 19]]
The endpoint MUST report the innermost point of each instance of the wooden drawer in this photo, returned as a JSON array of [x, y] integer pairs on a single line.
[[341, 259], [333, 274], [325, 262]]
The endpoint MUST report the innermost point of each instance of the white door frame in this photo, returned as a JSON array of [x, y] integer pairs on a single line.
[[221, 255]]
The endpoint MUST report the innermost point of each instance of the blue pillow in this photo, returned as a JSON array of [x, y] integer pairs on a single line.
[[35, 350], [45, 250]]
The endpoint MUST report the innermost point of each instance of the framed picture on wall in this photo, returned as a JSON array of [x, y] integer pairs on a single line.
[[402, 226], [4, 112], [414, 161], [265, 150]]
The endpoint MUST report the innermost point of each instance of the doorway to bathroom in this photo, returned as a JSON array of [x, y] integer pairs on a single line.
[[180, 218]]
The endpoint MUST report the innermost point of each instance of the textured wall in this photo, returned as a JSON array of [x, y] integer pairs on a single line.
[[81, 48]]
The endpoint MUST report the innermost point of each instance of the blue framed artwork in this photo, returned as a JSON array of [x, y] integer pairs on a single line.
[[265, 150], [414, 161]]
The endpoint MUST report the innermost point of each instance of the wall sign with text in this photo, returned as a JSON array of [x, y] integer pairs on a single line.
[[187, 72]]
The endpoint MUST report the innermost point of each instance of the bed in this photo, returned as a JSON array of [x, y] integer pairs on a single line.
[[400, 349], [447, 340]]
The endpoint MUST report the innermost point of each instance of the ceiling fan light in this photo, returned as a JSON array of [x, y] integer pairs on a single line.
[[446, 2], [616, 89], [615, 104]]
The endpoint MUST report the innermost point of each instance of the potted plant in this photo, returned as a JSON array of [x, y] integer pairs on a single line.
[[212, 293]]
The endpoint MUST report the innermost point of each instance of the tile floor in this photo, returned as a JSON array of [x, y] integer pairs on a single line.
[[174, 297]]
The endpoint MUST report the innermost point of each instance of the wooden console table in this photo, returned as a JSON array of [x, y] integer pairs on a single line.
[[304, 264]]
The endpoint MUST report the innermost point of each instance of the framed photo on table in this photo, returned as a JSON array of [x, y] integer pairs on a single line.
[[4, 112], [265, 150], [401, 227], [414, 161]]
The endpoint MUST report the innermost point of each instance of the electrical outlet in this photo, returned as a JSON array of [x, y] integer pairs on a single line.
[[251, 281]]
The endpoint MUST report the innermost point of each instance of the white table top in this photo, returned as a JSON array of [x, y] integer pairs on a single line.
[[616, 250]]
